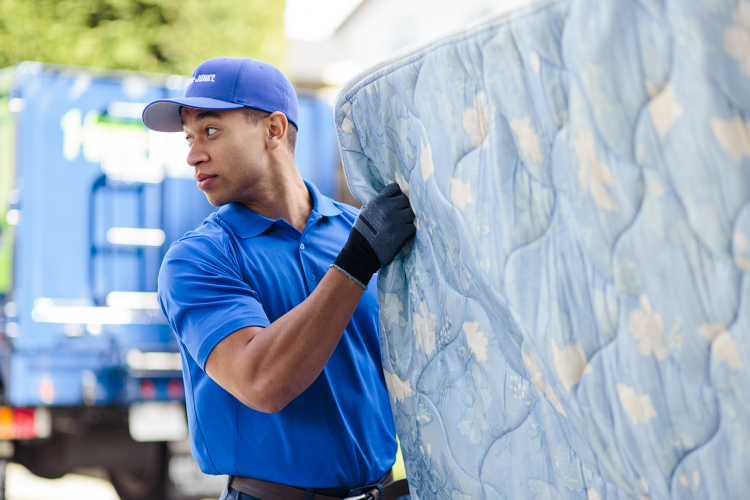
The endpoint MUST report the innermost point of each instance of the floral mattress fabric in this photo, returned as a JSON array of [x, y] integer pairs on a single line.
[[572, 319]]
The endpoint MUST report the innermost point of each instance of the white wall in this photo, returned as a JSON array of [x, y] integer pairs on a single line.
[[376, 29]]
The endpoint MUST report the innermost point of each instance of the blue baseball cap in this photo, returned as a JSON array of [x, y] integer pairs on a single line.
[[227, 83]]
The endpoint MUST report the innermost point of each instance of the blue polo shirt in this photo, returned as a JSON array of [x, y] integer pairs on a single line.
[[240, 269]]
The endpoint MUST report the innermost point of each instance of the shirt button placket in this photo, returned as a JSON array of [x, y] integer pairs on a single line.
[[310, 276]]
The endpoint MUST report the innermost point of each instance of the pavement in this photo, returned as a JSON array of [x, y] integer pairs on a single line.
[[23, 485]]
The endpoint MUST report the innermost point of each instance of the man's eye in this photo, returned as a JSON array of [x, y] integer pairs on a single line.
[[189, 140], [211, 130]]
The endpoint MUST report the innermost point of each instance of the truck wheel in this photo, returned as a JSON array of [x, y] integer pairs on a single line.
[[3, 471], [146, 483]]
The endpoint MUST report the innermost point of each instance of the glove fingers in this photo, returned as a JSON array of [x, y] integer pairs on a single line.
[[390, 190], [395, 204], [402, 201], [386, 222], [406, 214]]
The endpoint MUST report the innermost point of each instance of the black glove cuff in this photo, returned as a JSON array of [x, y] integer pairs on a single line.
[[357, 259]]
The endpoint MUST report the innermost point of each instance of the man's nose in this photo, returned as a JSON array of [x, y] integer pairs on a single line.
[[197, 155]]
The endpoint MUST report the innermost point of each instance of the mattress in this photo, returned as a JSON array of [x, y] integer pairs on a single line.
[[572, 319]]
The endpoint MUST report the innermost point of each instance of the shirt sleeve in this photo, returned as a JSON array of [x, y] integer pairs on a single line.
[[203, 295]]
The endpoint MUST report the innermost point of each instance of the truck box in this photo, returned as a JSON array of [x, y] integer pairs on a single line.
[[90, 201]]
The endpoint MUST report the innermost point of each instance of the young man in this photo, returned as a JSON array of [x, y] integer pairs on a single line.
[[269, 299]]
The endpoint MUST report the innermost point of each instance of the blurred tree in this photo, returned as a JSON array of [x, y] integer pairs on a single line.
[[167, 36]]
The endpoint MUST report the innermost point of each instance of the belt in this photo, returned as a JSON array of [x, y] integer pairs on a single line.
[[274, 491]]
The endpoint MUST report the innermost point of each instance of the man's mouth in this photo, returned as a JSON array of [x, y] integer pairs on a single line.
[[204, 180]]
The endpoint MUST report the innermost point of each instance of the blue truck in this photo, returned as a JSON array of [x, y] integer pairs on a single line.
[[90, 201]]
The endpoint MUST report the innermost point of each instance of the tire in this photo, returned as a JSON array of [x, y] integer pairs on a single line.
[[3, 473], [147, 482]]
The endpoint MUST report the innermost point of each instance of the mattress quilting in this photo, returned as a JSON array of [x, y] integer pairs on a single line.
[[572, 319]]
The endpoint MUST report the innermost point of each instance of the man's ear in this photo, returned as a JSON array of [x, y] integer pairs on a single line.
[[277, 128]]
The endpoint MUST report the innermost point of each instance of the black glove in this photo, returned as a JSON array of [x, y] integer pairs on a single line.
[[381, 230]]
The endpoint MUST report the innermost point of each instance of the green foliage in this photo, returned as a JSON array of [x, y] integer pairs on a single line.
[[167, 36]]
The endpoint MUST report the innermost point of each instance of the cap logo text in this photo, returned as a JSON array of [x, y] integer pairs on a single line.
[[201, 78]]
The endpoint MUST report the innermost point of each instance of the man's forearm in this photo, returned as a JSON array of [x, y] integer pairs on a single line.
[[266, 368]]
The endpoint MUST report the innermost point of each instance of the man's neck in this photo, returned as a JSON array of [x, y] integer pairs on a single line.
[[284, 197]]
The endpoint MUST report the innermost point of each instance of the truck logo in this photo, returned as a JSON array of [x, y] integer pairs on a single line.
[[124, 148]]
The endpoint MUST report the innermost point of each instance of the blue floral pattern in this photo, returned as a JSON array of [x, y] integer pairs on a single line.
[[572, 319]]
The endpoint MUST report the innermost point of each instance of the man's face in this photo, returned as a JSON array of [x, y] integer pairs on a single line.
[[228, 153]]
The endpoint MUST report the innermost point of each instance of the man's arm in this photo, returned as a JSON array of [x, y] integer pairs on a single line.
[[266, 368]]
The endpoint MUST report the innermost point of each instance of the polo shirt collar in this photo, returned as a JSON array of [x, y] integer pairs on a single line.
[[322, 204], [247, 223], [244, 222]]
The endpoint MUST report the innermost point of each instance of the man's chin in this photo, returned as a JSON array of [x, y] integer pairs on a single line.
[[215, 200]]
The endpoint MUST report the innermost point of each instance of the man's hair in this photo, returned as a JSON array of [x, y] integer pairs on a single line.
[[253, 116]]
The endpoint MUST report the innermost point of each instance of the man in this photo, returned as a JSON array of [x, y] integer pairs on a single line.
[[269, 299]]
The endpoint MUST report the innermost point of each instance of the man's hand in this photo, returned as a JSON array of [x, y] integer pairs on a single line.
[[381, 230]]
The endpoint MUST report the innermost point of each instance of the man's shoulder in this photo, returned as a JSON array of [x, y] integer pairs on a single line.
[[207, 239]]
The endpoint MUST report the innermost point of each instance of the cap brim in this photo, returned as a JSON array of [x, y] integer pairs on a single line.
[[164, 115]]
